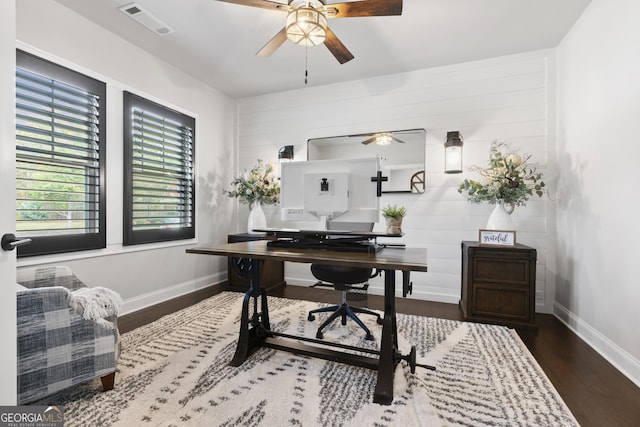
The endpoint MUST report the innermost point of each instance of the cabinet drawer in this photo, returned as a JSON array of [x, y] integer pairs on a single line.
[[505, 271], [507, 302]]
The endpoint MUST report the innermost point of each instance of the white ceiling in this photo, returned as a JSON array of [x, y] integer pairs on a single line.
[[216, 42]]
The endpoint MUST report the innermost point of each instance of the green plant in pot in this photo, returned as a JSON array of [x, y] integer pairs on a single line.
[[393, 217]]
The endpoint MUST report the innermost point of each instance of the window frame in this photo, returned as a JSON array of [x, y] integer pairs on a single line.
[[63, 243], [136, 237]]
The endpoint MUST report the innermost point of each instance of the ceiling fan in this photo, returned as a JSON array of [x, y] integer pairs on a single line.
[[306, 22], [384, 138]]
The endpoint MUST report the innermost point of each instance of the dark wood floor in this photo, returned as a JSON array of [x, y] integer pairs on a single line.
[[597, 394]]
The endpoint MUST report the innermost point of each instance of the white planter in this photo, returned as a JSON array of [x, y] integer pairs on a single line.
[[257, 218], [500, 218], [394, 225]]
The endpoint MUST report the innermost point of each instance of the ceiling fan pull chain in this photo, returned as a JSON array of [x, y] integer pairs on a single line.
[[306, 65]]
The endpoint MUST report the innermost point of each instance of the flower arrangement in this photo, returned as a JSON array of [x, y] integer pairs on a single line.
[[508, 177], [257, 185]]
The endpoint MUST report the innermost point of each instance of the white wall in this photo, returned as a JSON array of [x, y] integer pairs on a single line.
[[504, 98], [161, 271], [8, 367], [598, 290]]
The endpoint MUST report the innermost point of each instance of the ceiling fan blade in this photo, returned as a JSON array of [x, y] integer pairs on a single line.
[[360, 135], [336, 47], [364, 8], [370, 140], [397, 140], [274, 43], [262, 4]]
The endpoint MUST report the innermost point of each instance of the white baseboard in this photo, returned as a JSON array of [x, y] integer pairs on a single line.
[[152, 298], [618, 357]]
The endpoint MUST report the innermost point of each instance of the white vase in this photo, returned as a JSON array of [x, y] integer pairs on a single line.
[[500, 218], [257, 219]]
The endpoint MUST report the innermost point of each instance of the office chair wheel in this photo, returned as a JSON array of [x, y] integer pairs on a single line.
[[319, 335], [369, 337], [311, 317], [379, 321]]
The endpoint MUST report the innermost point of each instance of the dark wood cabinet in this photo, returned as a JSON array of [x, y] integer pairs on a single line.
[[271, 273], [499, 284]]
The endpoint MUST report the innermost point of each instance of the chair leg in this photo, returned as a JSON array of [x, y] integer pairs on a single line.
[[344, 311], [330, 309], [351, 314], [339, 312], [365, 311], [108, 381]]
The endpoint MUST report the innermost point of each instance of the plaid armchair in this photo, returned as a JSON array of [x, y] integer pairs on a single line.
[[57, 347]]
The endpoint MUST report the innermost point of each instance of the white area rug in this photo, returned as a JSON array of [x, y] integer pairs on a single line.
[[174, 372]]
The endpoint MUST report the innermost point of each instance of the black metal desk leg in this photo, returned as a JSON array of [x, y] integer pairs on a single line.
[[250, 336], [383, 393]]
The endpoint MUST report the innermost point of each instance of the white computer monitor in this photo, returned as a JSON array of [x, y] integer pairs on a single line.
[[336, 194]]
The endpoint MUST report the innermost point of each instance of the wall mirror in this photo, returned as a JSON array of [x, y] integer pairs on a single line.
[[401, 153]]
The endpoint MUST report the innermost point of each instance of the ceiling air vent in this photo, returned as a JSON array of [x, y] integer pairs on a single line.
[[143, 17]]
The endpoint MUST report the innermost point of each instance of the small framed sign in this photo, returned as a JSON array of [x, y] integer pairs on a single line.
[[497, 238]]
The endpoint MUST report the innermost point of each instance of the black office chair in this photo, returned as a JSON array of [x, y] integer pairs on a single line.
[[341, 279]]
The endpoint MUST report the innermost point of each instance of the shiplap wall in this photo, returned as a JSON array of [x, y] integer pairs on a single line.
[[505, 99]]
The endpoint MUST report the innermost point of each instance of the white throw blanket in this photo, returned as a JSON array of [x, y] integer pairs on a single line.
[[96, 304]]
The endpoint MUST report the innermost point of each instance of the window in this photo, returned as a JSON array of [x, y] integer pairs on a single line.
[[159, 190], [60, 158]]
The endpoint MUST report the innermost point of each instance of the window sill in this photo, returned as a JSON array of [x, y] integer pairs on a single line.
[[110, 250]]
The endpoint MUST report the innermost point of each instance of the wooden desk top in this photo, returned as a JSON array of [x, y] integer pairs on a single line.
[[406, 259]]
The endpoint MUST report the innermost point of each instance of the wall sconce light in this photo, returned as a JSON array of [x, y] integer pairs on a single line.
[[453, 153], [286, 152]]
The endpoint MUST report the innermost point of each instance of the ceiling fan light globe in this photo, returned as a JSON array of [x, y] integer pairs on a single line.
[[306, 26], [384, 139]]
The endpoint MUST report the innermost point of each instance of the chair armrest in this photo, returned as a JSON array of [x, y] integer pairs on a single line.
[[34, 304], [39, 277]]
